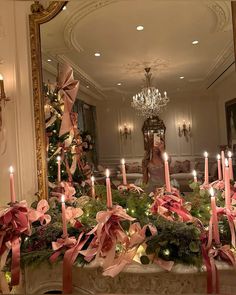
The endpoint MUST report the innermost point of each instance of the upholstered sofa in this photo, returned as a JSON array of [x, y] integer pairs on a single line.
[[133, 171], [181, 171]]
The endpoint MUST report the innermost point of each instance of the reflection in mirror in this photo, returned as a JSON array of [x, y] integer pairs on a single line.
[[189, 47]]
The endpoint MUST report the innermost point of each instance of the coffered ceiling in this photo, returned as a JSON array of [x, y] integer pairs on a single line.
[[165, 44]]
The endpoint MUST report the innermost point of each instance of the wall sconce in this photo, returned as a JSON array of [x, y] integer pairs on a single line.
[[125, 130], [185, 129]]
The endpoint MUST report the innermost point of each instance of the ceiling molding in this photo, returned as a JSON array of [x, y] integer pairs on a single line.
[[222, 12], [222, 61], [82, 11], [137, 67]]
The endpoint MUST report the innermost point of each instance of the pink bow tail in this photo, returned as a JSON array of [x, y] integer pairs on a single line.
[[15, 265]]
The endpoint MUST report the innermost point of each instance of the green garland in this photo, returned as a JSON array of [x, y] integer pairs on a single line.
[[176, 241]]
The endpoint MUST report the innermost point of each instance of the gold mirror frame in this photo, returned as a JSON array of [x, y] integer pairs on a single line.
[[39, 16]]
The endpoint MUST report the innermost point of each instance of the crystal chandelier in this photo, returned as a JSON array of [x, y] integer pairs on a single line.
[[149, 102]]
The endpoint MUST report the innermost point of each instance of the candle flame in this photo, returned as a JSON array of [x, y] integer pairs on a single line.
[[107, 173], [211, 191], [205, 154], [92, 178], [165, 157], [194, 173], [58, 158], [123, 161], [63, 198], [218, 157], [229, 154], [1, 77], [226, 163], [11, 169]]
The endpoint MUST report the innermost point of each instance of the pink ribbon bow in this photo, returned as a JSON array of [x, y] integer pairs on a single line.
[[68, 88], [72, 214], [39, 213], [13, 222], [209, 256], [166, 204], [73, 248], [218, 184], [108, 232], [130, 187]]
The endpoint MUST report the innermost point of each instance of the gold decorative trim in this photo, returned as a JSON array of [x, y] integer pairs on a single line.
[[39, 16], [233, 7]]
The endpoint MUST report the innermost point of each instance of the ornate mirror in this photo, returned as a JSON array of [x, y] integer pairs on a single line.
[[110, 63]]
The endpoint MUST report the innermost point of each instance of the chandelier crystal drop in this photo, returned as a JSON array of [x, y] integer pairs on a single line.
[[149, 102]]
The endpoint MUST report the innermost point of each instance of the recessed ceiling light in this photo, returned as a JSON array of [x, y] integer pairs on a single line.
[[64, 8], [97, 54], [139, 28], [49, 60], [182, 77], [119, 84], [195, 42]]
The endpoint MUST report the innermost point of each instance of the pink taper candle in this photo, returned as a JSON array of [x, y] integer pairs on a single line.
[[206, 168], [63, 213], [216, 234], [167, 174], [227, 186], [108, 186], [223, 163], [92, 187], [231, 174], [194, 175], [12, 186], [123, 172], [219, 167], [58, 169]]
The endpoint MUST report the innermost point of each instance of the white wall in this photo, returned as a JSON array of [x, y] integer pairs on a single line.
[[200, 109], [225, 90], [18, 114]]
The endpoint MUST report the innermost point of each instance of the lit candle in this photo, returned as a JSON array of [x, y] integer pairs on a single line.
[[167, 174], [219, 167], [108, 186], [195, 176], [231, 173], [216, 234], [58, 169], [12, 186], [63, 213], [206, 168], [92, 186], [223, 163], [123, 172], [227, 186]]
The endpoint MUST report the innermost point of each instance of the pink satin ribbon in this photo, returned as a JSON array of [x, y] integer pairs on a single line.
[[14, 221], [165, 204], [68, 88]]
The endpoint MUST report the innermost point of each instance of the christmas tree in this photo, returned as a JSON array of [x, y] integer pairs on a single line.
[[66, 153]]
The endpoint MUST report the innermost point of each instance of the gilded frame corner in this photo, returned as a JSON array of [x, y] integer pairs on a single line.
[[40, 16]]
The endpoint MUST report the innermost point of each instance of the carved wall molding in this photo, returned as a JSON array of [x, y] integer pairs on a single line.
[[141, 279]]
